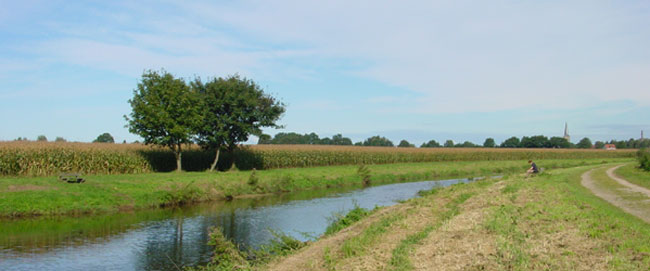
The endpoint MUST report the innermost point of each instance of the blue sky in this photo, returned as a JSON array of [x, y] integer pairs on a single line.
[[416, 70]]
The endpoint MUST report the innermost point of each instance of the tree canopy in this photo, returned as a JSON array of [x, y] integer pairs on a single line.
[[311, 138], [164, 112], [405, 144], [104, 138], [559, 142], [584, 143], [538, 141], [431, 144], [489, 143], [512, 142], [232, 109], [378, 141]]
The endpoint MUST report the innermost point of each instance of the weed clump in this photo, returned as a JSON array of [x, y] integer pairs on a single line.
[[364, 172], [253, 180], [178, 196], [341, 222], [226, 255]]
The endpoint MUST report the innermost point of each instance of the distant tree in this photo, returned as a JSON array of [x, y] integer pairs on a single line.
[[59, 139], [104, 138], [512, 142], [264, 139], [431, 144], [164, 112], [41, 138], [489, 143], [124, 142], [599, 145], [559, 142], [466, 144], [378, 141], [449, 143], [538, 141], [21, 139], [338, 139], [325, 141], [232, 109], [405, 144], [358, 143], [584, 143]]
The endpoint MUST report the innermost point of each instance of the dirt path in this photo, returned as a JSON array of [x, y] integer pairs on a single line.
[[631, 186], [621, 197]]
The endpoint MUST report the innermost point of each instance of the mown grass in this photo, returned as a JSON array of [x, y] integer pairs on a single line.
[[35, 196], [632, 173], [556, 203], [400, 255], [544, 222]]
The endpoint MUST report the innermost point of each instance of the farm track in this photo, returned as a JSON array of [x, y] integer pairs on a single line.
[[631, 198]]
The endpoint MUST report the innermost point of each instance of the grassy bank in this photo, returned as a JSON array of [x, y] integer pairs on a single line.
[[51, 159], [546, 222], [632, 173], [36, 196]]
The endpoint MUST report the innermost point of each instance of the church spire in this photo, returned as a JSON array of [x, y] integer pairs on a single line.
[[566, 132]]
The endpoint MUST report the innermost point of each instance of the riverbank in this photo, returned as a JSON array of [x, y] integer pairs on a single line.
[[45, 196], [546, 222]]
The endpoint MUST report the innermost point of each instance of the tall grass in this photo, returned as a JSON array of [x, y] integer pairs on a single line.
[[49, 158]]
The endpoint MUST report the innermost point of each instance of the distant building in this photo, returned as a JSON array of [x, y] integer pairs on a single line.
[[610, 147], [566, 132]]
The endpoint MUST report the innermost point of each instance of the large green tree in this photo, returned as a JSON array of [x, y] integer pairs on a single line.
[[232, 109], [164, 112]]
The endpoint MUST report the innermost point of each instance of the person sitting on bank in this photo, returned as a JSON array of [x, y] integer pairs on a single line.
[[533, 167]]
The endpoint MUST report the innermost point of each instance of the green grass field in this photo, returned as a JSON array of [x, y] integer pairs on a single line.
[[33, 196]]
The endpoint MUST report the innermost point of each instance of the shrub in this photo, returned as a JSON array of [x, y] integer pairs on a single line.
[[643, 156]]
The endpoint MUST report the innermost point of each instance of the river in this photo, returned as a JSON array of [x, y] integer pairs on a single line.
[[171, 238]]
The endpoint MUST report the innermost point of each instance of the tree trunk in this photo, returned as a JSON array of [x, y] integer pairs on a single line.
[[178, 158], [214, 164]]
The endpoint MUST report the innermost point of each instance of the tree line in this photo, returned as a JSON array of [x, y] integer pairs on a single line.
[[216, 114], [538, 141]]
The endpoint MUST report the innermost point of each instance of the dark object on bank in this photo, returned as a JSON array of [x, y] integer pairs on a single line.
[[71, 178]]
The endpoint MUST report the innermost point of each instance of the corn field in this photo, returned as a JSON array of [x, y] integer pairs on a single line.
[[49, 158]]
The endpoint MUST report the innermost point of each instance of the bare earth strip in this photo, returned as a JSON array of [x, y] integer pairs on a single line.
[[634, 207]]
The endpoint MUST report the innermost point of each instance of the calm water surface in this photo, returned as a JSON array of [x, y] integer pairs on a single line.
[[164, 239]]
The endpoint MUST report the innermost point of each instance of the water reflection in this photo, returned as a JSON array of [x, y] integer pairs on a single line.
[[167, 239]]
